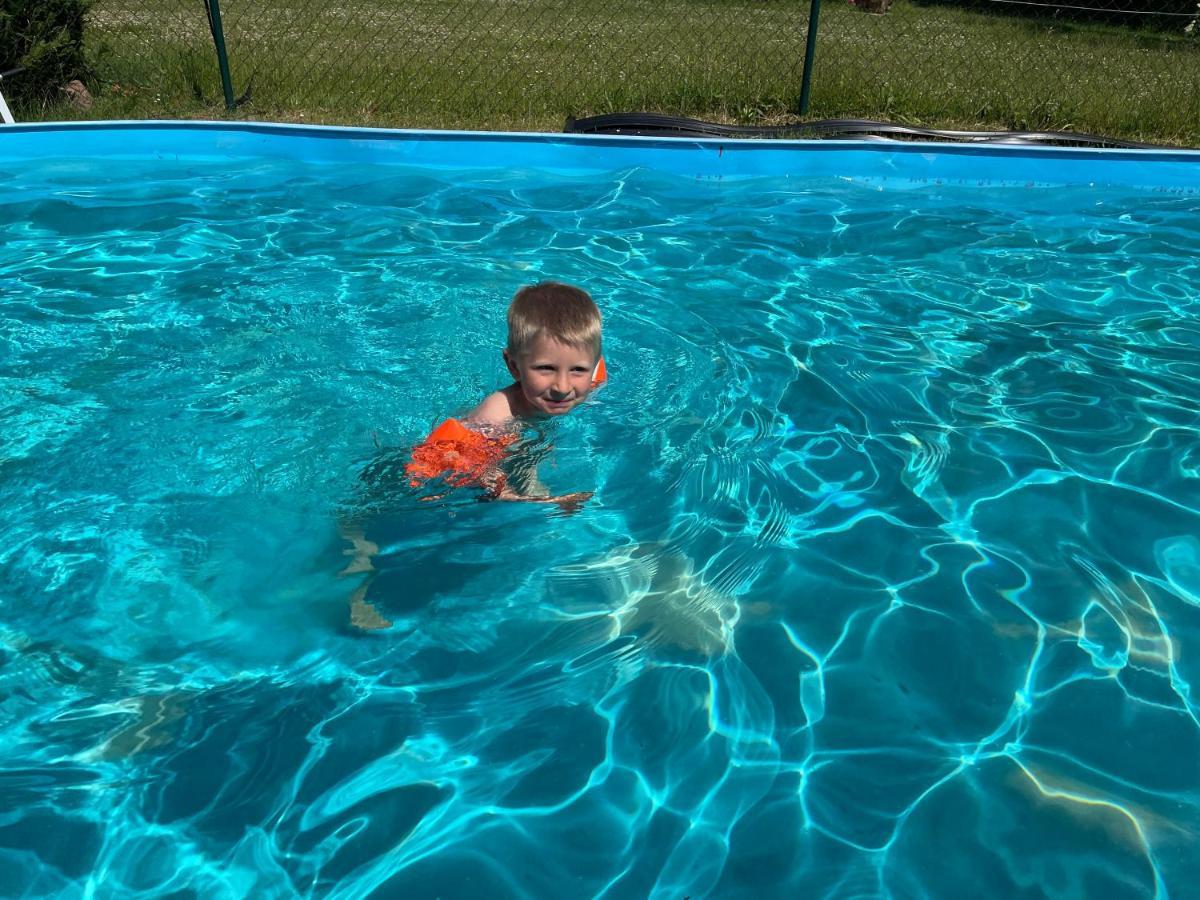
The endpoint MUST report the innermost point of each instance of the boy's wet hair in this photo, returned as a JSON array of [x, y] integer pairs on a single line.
[[559, 311]]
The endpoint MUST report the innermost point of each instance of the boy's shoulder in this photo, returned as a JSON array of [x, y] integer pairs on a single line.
[[496, 410]]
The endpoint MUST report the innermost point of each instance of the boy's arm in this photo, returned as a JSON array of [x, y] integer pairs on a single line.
[[524, 486], [496, 411], [568, 503]]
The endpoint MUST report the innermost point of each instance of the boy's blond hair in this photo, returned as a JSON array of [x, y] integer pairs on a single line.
[[559, 311]]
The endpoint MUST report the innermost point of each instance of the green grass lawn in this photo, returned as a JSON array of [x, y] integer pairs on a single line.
[[529, 64]]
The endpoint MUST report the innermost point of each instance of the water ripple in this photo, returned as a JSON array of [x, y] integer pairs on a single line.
[[889, 586]]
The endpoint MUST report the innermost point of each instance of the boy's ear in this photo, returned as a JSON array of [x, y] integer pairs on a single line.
[[512, 365]]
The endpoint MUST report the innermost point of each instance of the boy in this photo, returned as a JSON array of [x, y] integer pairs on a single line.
[[553, 355]]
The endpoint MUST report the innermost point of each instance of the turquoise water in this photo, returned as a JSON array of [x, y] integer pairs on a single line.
[[890, 585]]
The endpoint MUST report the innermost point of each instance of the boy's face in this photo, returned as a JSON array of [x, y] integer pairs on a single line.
[[554, 377]]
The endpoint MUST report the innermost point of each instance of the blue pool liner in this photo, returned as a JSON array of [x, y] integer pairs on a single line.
[[896, 164]]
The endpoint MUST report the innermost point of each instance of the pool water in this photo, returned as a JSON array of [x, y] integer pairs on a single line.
[[889, 586]]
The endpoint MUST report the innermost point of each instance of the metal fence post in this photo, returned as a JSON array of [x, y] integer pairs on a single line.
[[218, 33], [810, 49]]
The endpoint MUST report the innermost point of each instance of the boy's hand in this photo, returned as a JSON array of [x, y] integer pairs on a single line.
[[571, 503]]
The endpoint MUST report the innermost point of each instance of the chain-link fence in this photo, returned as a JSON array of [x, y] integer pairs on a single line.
[[1121, 67]]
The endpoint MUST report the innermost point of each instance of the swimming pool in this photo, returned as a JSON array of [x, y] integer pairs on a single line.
[[890, 584]]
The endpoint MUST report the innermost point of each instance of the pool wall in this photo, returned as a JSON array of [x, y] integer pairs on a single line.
[[896, 164]]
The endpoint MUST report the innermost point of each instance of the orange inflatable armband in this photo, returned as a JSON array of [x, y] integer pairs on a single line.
[[458, 454]]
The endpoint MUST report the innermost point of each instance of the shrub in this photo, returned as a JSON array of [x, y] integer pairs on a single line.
[[46, 37]]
